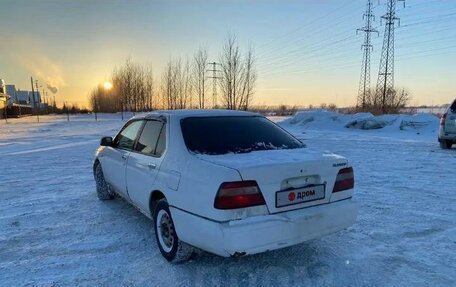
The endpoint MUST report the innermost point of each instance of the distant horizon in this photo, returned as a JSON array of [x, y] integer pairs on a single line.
[[307, 52]]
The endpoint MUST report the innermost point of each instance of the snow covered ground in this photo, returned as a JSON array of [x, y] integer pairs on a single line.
[[54, 231]]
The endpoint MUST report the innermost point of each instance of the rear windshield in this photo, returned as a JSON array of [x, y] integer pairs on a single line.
[[221, 135]]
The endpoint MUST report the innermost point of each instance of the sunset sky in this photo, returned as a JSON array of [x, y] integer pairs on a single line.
[[307, 52]]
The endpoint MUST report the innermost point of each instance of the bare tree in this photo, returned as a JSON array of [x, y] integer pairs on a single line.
[[182, 85], [176, 85], [100, 100], [199, 76], [167, 86], [398, 100], [231, 71], [249, 79], [238, 76], [149, 88], [186, 86], [132, 89], [394, 101]]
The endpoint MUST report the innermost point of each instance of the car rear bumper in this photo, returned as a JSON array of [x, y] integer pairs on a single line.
[[451, 137], [445, 135], [262, 233]]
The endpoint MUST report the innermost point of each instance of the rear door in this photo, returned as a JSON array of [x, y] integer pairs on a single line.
[[450, 122], [114, 160], [144, 162]]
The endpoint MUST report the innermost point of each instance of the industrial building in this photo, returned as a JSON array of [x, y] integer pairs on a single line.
[[17, 102]]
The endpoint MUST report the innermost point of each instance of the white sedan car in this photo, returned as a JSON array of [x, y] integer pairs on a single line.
[[228, 182]]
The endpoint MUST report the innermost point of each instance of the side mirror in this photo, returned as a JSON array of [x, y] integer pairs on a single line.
[[106, 141]]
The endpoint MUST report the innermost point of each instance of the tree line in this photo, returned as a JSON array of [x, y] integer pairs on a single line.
[[183, 84]]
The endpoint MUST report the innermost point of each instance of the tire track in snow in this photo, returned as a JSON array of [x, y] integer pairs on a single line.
[[48, 148]]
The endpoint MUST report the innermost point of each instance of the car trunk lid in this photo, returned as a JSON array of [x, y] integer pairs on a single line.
[[309, 175]]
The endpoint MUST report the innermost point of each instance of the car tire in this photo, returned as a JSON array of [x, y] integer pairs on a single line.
[[168, 242], [104, 191], [446, 144]]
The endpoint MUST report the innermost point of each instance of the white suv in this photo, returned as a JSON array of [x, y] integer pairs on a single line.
[[447, 133], [228, 182]]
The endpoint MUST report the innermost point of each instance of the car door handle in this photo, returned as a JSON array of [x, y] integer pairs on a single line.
[[124, 156], [151, 165]]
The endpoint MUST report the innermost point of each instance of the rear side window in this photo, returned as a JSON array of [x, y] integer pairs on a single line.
[[221, 135], [126, 138], [150, 138]]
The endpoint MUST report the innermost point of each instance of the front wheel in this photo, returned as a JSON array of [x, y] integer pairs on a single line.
[[446, 144], [104, 191], [168, 242]]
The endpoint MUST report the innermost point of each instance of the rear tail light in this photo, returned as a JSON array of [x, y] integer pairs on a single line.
[[345, 180], [442, 119], [238, 194]]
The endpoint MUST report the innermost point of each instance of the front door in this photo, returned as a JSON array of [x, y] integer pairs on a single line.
[[115, 158], [144, 162]]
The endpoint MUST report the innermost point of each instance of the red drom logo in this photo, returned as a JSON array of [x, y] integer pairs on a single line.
[[291, 196]]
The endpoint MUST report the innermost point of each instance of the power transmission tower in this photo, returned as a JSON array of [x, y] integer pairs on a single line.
[[364, 92], [385, 82], [214, 78]]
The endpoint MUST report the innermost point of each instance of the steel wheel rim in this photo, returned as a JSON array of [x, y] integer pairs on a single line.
[[165, 230]]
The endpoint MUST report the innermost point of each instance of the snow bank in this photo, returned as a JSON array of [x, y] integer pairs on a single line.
[[322, 119]]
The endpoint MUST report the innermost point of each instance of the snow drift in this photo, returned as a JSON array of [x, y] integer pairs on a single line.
[[323, 119]]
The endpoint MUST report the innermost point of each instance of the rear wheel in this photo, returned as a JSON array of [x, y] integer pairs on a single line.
[[446, 144], [104, 191], [168, 242]]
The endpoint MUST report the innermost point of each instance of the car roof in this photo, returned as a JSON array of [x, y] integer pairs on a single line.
[[195, 113]]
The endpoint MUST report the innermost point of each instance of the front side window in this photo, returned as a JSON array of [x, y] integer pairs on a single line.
[[126, 138], [150, 137], [234, 134]]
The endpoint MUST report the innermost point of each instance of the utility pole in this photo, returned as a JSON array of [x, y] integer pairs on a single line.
[[214, 78], [34, 101], [385, 82], [38, 96], [364, 92], [46, 102]]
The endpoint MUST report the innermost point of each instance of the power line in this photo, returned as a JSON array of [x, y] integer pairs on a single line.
[[324, 47], [318, 31], [308, 23], [352, 64]]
